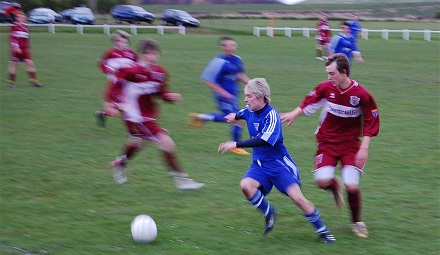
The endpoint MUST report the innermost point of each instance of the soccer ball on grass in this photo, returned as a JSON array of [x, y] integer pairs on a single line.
[[143, 229]]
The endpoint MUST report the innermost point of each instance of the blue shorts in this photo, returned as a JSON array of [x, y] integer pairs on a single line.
[[278, 173]]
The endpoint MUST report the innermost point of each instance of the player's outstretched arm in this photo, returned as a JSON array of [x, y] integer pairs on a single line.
[[358, 56], [172, 97], [243, 78], [217, 88], [289, 117], [362, 154]]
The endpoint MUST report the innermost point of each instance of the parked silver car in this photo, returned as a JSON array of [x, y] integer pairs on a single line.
[[41, 16], [82, 15], [179, 18]]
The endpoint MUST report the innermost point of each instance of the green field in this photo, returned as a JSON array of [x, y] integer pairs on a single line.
[[58, 196]]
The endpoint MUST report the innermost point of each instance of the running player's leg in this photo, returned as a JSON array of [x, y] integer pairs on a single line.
[[351, 176], [30, 68], [287, 181], [256, 185], [167, 145], [12, 70], [326, 160]]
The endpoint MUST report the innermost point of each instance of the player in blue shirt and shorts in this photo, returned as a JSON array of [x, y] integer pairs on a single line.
[[272, 164], [223, 74], [345, 43]]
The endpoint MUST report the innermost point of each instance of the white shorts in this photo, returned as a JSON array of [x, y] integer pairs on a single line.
[[350, 175]]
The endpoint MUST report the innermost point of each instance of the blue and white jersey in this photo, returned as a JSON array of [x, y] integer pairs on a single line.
[[223, 70], [341, 43], [267, 126]]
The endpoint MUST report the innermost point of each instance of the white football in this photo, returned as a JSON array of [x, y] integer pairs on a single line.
[[143, 229]]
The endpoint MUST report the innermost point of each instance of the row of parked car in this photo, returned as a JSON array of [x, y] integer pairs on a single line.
[[77, 15], [135, 14], [120, 13]]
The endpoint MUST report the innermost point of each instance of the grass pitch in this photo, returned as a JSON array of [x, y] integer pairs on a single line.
[[58, 197]]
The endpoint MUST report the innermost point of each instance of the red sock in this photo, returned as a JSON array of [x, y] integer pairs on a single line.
[[12, 77], [33, 76], [172, 162], [354, 200], [130, 151]]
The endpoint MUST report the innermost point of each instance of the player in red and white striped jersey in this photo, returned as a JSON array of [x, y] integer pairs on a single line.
[[144, 83], [323, 36], [119, 56], [20, 51], [349, 119]]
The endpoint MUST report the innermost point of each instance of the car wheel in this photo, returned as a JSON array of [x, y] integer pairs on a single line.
[[164, 22], [179, 23], [118, 21]]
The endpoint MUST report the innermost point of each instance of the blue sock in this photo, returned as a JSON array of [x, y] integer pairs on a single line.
[[317, 222], [236, 131], [218, 117], [261, 203]]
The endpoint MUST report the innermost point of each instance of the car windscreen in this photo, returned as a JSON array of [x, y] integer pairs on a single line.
[[137, 8], [184, 14]]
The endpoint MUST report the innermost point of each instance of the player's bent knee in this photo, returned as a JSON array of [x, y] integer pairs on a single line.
[[112, 111], [249, 186], [323, 176], [324, 183], [134, 142], [166, 143]]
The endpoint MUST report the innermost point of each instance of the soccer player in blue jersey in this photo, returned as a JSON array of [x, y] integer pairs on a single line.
[[345, 43], [355, 26], [223, 74], [272, 164]]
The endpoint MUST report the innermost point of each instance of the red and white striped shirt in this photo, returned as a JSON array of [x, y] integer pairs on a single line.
[[346, 114]]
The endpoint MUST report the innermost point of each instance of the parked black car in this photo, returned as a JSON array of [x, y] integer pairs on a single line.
[[131, 14], [179, 18]]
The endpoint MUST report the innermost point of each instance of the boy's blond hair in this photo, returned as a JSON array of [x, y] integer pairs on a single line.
[[260, 88]]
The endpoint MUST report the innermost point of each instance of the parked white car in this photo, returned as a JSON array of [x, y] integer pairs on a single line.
[[42, 16]]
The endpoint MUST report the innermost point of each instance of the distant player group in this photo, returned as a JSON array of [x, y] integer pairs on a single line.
[[345, 42], [349, 119]]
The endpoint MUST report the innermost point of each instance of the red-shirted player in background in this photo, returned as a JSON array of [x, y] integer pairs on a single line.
[[348, 120], [119, 56], [144, 83], [323, 36], [20, 51]]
